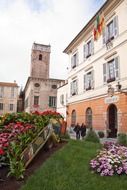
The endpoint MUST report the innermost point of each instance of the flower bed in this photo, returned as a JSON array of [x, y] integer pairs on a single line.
[[17, 131], [111, 160]]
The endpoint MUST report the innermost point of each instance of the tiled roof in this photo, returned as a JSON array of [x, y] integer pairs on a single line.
[[8, 84]]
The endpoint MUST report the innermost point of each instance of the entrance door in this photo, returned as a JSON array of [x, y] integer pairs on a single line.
[[73, 118], [112, 117]]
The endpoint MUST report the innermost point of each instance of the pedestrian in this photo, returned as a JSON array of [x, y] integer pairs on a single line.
[[83, 130], [77, 131]]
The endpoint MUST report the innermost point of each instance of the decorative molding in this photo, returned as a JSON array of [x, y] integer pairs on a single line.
[[110, 55]]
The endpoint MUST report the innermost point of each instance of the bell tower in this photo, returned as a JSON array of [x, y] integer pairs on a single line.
[[40, 59]]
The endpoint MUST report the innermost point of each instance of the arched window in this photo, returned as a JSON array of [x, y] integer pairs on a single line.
[[73, 118], [40, 57], [89, 118]]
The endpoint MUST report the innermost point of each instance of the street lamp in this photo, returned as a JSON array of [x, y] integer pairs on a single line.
[[119, 88]]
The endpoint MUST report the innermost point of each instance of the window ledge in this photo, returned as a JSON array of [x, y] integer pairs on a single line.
[[88, 56], [109, 40], [111, 80]]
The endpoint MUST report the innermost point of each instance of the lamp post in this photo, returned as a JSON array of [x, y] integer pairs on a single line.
[[119, 89]]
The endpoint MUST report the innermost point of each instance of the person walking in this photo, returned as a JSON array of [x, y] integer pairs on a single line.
[[83, 130], [77, 131]]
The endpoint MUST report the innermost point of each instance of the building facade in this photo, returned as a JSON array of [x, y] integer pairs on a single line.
[[40, 90], [8, 97], [62, 97], [97, 79]]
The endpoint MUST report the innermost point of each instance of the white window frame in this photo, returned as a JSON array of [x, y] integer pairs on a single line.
[[74, 87], [111, 70], [88, 48], [109, 37], [11, 107], [62, 99], [74, 60], [52, 101], [89, 80]]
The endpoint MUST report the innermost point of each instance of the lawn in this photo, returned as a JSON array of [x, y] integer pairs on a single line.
[[68, 169]]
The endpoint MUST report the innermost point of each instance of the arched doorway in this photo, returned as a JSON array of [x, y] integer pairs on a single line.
[[89, 118], [73, 118], [112, 121]]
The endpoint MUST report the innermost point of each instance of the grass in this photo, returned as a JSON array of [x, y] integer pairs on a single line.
[[68, 169]]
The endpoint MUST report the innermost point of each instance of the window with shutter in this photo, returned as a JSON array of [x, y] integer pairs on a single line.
[[89, 81], [74, 60], [62, 99], [111, 70], [52, 101], [111, 30], [74, 87], [88, 49]]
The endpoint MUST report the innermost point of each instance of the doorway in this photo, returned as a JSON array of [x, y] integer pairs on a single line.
[[112, 121], [73, 118]]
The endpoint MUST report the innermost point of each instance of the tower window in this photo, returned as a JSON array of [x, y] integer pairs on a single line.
[[36, 100], [40, 57]]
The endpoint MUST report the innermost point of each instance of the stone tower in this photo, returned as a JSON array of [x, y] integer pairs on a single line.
[[40, 59]]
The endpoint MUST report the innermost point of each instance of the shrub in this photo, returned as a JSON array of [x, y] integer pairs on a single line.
[[92, 136], [122, 139], [101, 134]]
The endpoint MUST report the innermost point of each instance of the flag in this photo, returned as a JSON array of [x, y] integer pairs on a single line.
[[99, 26]]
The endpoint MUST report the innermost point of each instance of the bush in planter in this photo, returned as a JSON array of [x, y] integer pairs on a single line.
[[122, 139], [101, 134], [92, 136]]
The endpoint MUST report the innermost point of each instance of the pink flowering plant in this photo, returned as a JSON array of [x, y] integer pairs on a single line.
[[17, 130], [111, 160]]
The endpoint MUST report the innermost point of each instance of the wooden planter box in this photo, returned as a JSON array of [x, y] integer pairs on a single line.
[[33, 148]]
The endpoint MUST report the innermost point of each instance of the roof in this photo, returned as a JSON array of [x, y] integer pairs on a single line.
[[8, 84], [67, 49], [37, 44]]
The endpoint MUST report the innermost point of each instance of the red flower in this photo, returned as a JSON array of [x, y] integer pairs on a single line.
[[1, 151]]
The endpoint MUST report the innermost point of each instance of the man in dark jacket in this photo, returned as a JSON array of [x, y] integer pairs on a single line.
[[77, 131], [83, 130]]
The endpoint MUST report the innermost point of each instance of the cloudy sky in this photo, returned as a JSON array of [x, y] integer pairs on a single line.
[[54, 22]]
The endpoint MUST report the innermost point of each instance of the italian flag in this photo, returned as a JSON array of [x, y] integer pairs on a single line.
[[99, 26]]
